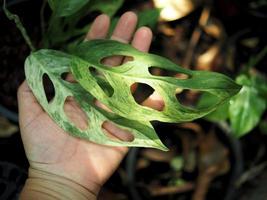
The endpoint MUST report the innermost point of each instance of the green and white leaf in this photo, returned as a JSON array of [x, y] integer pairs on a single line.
[[54, 63], [247, 107], [90, 54], [113, 89]]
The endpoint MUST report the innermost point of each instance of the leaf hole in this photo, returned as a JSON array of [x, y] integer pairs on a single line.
[[49, 88], [116, 60], [75, 113], [142, 92], [102, 106], [157, 71], [188, 98], [102, 81], [114, 132], [146, 96], [68, 76]]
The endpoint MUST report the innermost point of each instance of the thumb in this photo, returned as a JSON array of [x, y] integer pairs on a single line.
[[29, 108]]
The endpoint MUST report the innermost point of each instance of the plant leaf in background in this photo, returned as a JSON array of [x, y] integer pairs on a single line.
[[63, 8], [137, 71], [53, 64], [263, 127], [145, 18], [66, 31], [148, 18], [109, 7], [247, 107]]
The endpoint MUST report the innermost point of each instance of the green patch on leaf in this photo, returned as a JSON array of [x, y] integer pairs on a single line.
[[247, 107]]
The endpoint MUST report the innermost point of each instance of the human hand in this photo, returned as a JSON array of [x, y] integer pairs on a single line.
[[53, 152]]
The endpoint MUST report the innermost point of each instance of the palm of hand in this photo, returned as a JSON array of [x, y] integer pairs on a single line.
[[50, 149]]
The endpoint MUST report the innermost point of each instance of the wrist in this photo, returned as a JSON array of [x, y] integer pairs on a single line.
[[45, 186]]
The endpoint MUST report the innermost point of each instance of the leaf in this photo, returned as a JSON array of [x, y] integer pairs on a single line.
[[122, 77], [71, 29], [148, 18], [221, 112], [63, 8], [54, 63], [127, 114], [19, 26], [145, 18], [263, 127], [260, 82], [109, 7], [246, 108]]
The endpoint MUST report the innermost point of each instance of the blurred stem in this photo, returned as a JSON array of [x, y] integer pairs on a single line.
[[19, 25], [254, 60], [42, 21], [203, 20]]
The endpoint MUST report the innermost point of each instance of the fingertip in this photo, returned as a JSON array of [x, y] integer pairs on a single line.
[[99, 28], [144, 32], [103, 17], [130, 15], [142, 39], [125, 27]]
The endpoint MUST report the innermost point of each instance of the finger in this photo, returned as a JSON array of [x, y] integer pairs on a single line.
[[123, 32], [154, 101], [99, 28], [28, 105], [141, 41], [117, 133]]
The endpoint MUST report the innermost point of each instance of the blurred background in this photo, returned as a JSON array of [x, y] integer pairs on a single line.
[[222, 156]]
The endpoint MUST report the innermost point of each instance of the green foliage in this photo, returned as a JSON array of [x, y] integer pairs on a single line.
[[63, 8], [108, 7], [19, 25], [177, 163], [263, 127], [148, 18], [221, 112], [122, 77], [112, 85], [127, 113], [145, 18], [54, 63], [65, 31], [247, 107]]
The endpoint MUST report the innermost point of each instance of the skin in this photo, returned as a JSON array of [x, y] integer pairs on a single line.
[[51, 150]]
